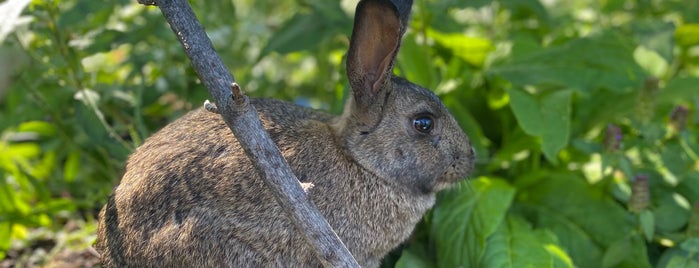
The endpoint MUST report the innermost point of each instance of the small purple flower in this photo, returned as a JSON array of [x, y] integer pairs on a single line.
[[612, 138], [640, 194], [678, 117]]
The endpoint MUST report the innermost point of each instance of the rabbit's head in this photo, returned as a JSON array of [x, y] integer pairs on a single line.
[[392, 127]]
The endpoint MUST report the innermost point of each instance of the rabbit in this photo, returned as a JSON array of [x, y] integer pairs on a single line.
[[190, 197]]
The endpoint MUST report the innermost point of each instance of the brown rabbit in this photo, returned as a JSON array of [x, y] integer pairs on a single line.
[[191, 198]]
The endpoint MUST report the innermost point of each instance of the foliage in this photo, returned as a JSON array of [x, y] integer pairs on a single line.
[[583, 114]]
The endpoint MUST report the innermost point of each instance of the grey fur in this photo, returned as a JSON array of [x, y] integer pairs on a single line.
[[191, 198]]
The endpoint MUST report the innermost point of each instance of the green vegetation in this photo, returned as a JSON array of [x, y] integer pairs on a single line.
[[584, 115]]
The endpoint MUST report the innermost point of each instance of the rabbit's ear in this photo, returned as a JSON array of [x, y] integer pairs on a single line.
[[373, 47]]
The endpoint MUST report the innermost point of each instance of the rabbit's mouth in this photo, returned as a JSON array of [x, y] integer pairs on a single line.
[[460, 167]]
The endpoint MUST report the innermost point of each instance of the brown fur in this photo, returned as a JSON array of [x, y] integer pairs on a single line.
[[191, 198]]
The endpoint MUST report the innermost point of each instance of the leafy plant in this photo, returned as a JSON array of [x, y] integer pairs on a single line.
[[583, 115]]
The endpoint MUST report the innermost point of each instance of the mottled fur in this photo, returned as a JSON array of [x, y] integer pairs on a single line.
[[191, 198]]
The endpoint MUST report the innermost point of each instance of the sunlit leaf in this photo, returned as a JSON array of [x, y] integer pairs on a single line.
[[657, 36], [650, 61], [71, 166], [471, 49], [5, 234], [687, 35], [10, 17], [515, 245]]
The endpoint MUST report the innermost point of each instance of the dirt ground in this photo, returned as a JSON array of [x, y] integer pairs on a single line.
[[63, 259], [69, 247]]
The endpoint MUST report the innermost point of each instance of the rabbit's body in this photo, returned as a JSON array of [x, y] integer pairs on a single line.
[[191, 198], [181, 204]]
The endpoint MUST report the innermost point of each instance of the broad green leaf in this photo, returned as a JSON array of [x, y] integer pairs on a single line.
[[679, 89], [465, 219], [679, 257], [471, 49], [5, 235], [515, 245], [411, 259], [647, 222], [560, 258], [331, 10], [627, 252], [305, 31], [650, 61], [671, 212], [682, 262], [516, 143], [585, 220], [71, 166], [687, 35], [44, 129], [302, 32], [657, 36], [584, 64], [547, 118], [522, 9], [691, 245], [416, 64]]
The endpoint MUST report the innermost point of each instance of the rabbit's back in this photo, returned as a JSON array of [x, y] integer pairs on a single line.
[[190, 196]]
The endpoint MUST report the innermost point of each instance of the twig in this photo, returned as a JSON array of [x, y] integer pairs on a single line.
[[242, 119]]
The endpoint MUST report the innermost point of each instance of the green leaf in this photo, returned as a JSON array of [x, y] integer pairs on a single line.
[[302, 32], [515, 245], [5, 235], [305, 31], [682, 262], [561, 259], [547, 118], [679, 89], [687, 35], [628, 252], [71, 166], [671, 212], [656, 35], [42, 128], [585, 219], [523, 8], [684, 255], [691, 245], [409, 258], [647, 222], [473, 50], [584, 64], [651, 61], [417, 65], [465, 219]]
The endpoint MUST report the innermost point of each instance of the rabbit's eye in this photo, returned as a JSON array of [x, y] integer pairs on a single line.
[[423, 123]]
